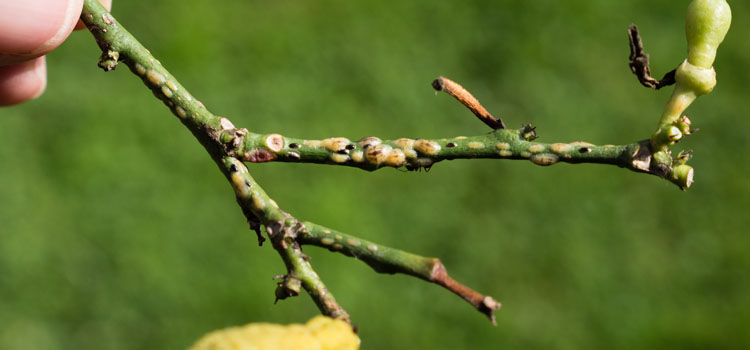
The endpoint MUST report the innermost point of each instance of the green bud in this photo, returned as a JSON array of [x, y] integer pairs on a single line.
[[682, 158], [707, 22], [226, 137], [684, 125], [674, 134]]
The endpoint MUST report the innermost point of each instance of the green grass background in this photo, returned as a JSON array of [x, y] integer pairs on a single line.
[[118, 232]]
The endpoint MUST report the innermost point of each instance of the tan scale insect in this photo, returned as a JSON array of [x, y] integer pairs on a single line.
[[544, 159], [426, 147], [378, 154], [339, 158], [536, 148], [155, 78], [396, 158], [502, 146], [312, 143], [166, 91], [180, 112], [335, 144], [140, 69], [560, 148], [358, 156], [369, 142]]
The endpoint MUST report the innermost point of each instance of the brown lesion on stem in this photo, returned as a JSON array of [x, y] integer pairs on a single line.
[[467, 99], [484, 303], [639, 63]]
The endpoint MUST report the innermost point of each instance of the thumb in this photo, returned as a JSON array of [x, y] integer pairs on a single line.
[[32, 28]]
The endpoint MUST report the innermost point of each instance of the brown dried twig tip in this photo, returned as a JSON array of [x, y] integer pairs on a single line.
[[484, 303], [468, 100], [639, 63]]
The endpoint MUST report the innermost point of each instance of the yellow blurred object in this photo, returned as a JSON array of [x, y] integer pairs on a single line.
[[320, 333]]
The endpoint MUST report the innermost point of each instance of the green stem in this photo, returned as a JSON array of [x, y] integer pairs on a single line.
[[417, 153]]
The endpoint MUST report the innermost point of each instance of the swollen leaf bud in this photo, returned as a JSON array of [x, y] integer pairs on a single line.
[[707, 22]]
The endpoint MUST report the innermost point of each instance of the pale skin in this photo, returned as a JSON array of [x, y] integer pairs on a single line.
[[29, 30]]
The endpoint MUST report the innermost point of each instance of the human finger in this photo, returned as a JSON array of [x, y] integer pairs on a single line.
[[22, 81], [32, 28]]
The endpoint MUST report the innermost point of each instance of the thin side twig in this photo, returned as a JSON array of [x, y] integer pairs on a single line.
[[384, 259], [467, 99], [639, 63]]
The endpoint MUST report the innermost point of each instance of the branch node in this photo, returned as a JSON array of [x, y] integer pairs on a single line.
[[109, 60], [528, 132], [641, 157], [289, 287], [467, 99]]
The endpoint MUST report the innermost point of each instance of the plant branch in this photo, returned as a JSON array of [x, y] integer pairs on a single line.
[[229, 146], [119, 46], [389, 260], [371, 153], [224, 142]]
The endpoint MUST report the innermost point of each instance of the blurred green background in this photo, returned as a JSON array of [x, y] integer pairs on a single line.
[[118, 232]]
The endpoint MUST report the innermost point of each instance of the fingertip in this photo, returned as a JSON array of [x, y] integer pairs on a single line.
[[32, 28], [23, 81]]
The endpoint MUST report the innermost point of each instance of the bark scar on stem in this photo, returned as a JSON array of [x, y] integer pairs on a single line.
[[467, 99], [639, 63]]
